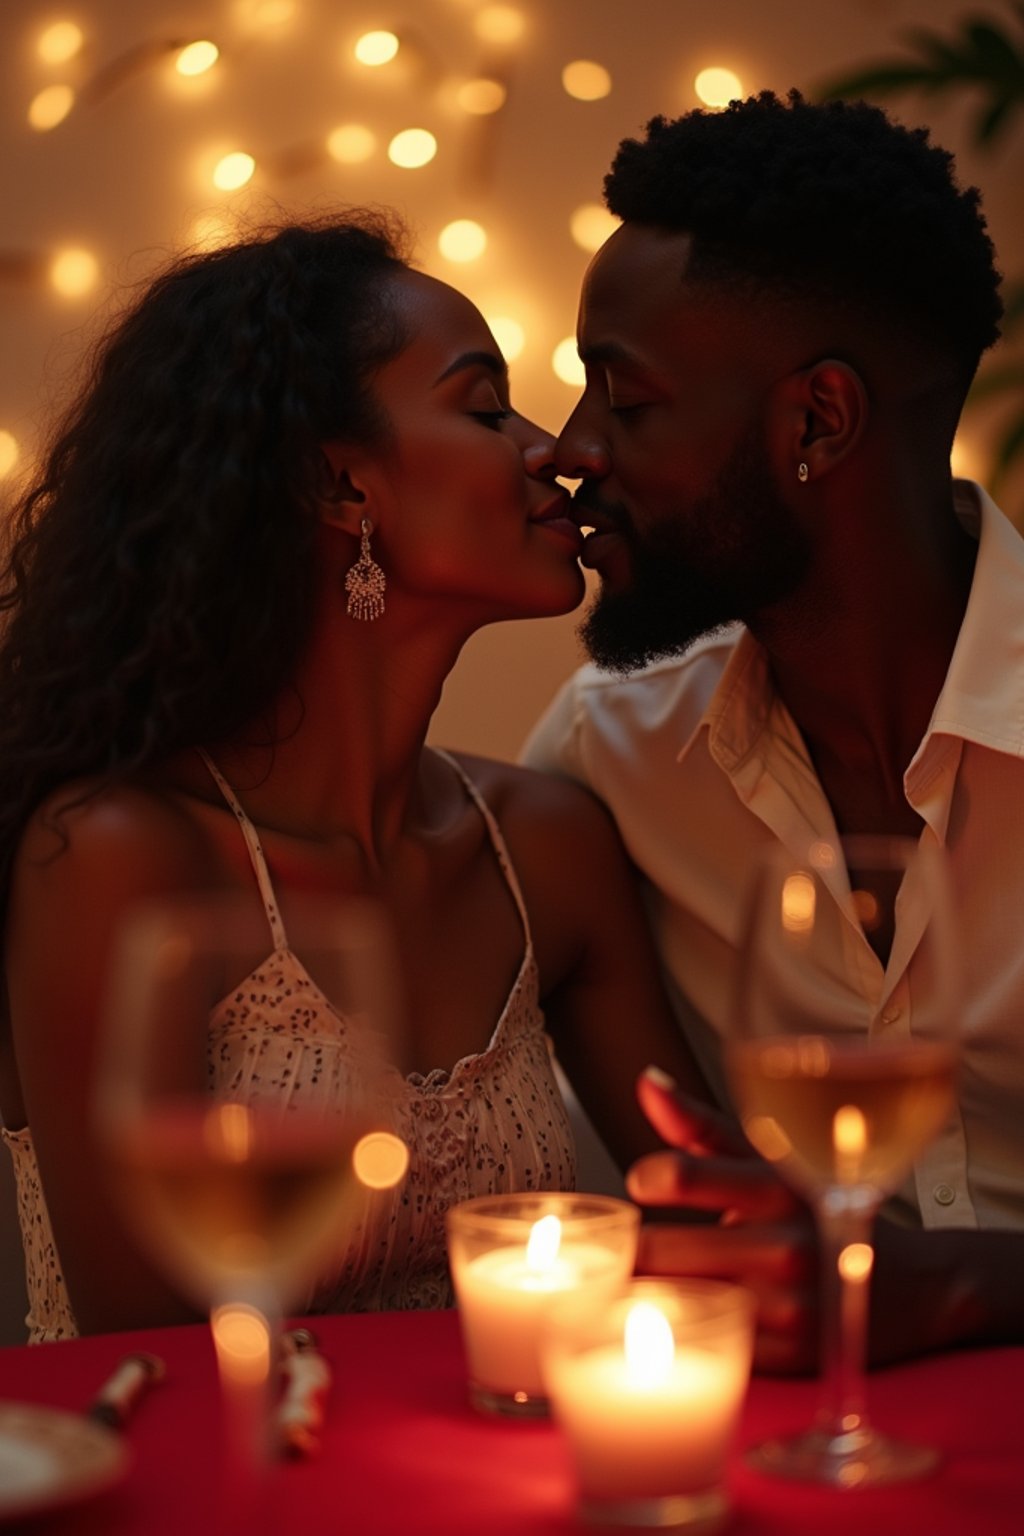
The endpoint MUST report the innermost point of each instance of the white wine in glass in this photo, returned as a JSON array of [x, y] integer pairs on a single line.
[[243, 1111], [842, 1064]]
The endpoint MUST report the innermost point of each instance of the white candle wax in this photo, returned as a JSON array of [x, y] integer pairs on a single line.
[[504, 1303], [637, 1440]]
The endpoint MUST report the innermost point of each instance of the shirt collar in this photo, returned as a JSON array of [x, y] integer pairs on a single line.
[[982, 698]]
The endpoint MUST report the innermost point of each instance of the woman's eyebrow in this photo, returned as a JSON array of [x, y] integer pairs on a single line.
[[489, 360]]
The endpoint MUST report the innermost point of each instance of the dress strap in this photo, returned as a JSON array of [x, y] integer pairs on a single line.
[[256, 855], [497, 841]]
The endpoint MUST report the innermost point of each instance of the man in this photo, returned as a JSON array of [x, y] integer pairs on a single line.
[[778, 341]]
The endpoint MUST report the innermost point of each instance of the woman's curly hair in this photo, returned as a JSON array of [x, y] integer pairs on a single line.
[[833, 202], [159, 574]]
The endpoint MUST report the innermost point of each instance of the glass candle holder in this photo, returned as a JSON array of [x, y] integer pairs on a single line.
[[648, 1389], [512, 1258]]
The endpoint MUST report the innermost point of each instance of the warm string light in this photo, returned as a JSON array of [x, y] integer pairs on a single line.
[[591, 224], [351, 143], [74, 272], [565, 360], [462, 240], [480, 98], [585, 80], [60, 43], [499, 24], [9, 453], [210, 231], [50, 106], [412, 148], [376, 48], [197, 58], [716, 87], [509, 334], [233, 171]]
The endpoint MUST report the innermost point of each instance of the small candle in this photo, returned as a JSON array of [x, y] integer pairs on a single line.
[[512, 1258], [648, 1391]]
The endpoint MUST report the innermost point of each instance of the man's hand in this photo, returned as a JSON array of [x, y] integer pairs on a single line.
[[929, 1289], [764, 1237]]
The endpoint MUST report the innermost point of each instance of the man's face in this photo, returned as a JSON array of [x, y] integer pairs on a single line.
[[670, 439]]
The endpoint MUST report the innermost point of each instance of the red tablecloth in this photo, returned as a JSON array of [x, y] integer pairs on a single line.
[[404, 1453]]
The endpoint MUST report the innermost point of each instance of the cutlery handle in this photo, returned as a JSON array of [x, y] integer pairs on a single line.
[[300, 1412], [118, 1395]]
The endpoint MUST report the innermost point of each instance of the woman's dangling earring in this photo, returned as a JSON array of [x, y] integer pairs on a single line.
[[365, 581]]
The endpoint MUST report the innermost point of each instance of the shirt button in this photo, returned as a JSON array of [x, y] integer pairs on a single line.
[[944, 1194], [891, 1012]]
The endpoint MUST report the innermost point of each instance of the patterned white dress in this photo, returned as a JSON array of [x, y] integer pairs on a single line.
[[495, 1121]]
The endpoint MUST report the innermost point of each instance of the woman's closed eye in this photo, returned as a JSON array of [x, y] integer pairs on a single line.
[[492, 418]]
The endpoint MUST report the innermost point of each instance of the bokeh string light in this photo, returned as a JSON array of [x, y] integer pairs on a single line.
[[465, 127]]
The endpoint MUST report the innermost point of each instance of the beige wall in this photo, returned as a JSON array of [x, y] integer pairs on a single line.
[[127, 176]]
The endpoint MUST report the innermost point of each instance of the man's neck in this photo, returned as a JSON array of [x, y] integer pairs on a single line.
[[860, 659]]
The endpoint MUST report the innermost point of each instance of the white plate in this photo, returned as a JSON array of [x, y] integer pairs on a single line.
[[49, 1458]]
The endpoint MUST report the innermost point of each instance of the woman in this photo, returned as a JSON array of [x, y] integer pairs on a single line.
[[291, 489]]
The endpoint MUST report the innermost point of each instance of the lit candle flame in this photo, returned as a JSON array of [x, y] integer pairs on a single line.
[[649, 1345], [850, 1140], [543, 1244], [849, 1131], [228, 1132]]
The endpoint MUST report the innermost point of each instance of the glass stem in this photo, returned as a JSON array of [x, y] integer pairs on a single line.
[[246, 1336], [846, 1257]]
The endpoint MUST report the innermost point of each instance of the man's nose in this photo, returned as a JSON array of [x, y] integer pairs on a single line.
[[581, 453]]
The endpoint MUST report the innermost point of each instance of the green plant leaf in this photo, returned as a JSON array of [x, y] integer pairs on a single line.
[[980, 55], [994, 52], [991, 121]]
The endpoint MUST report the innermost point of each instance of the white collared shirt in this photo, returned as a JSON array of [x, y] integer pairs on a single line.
[[700, 761]]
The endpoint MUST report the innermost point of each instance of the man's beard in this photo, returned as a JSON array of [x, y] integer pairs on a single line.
[[733, 553]]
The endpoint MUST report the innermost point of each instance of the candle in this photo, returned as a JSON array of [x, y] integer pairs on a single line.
[[513, 1257], [648, 1391]]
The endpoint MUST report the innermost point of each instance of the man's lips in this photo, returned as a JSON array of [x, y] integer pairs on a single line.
[[605, 531]]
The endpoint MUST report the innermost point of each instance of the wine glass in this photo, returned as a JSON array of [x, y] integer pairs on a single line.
[[243, 1111], [842, 1065]]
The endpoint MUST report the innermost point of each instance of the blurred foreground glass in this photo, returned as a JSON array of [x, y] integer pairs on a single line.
[[842, 1073], [234, 1129], [512, 1258], [648, 1389]]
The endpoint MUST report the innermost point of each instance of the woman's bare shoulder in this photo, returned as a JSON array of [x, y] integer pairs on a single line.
[[544, 810], [527, 789], [138, 825]]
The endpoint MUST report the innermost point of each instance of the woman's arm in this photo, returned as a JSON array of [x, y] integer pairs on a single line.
[[67, 903], [601, 981]]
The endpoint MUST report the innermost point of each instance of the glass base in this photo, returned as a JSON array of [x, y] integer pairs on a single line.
[[863, 1459], [698, 1514], [512, 1405]]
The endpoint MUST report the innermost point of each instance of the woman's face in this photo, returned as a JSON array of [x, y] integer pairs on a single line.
[[467, 508]]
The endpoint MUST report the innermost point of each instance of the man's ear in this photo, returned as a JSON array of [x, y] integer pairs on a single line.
[[343, 495], [823, 411]]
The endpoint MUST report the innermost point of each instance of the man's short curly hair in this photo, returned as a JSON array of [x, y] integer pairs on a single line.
[[834, 202]]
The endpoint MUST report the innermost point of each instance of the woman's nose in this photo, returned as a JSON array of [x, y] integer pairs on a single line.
[[539, 453]]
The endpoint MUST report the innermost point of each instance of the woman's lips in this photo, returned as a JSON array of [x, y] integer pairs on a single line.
[[565, 528], [555, 517]]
